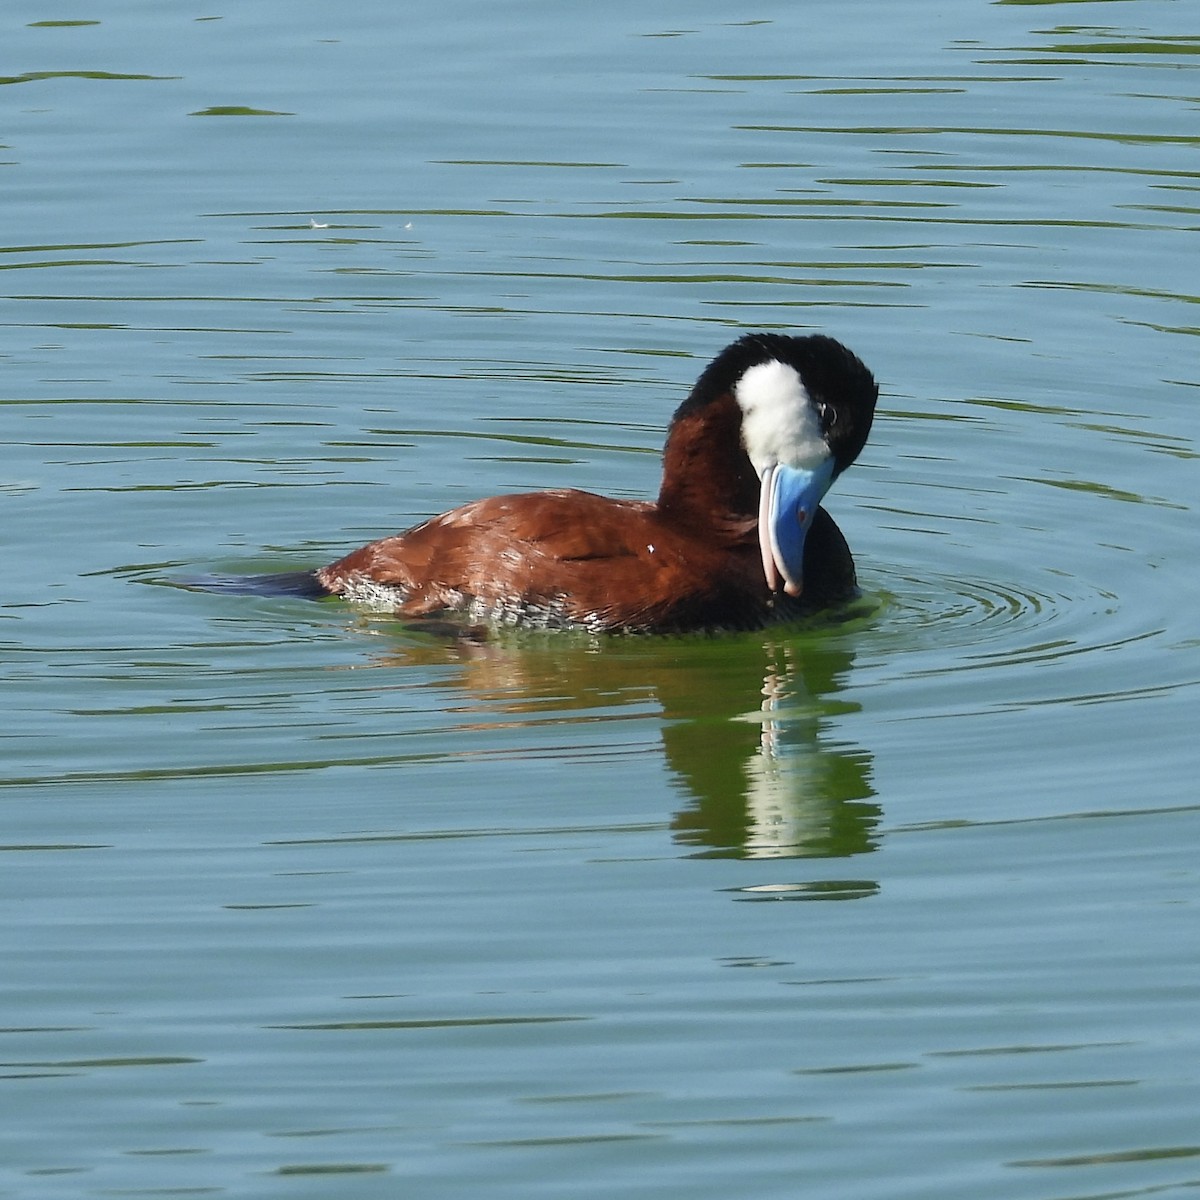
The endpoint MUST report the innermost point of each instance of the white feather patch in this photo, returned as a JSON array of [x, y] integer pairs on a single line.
[[779, 420]]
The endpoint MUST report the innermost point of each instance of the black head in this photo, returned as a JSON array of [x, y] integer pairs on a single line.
[[842, 391]]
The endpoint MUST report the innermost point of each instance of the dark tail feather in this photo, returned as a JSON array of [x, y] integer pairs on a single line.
[[301, 584]]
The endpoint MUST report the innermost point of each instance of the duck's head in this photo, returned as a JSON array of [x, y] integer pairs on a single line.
[[802, 408]]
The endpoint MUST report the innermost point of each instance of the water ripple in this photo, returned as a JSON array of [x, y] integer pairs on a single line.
[[963, 611], [1055, 642]]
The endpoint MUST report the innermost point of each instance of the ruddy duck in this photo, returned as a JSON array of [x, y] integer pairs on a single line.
[[736, 539]]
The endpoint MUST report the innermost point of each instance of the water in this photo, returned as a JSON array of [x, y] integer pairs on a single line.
[[298, 901]]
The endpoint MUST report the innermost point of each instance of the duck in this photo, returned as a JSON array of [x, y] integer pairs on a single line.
[[736, 539]]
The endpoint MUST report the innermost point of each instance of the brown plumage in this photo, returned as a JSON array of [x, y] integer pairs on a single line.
[[690, 560]]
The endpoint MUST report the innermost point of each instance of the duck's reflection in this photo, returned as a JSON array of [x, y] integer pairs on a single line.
[[764, 778], [745, 724]]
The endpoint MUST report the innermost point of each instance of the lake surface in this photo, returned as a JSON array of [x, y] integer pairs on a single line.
[[301, 903]]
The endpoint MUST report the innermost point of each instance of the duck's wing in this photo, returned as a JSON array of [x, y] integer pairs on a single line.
[[556, 548]]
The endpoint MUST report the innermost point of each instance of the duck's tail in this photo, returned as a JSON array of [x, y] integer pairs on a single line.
[[301, 584]]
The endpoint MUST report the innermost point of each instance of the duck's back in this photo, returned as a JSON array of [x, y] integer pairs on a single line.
[[571, 558]]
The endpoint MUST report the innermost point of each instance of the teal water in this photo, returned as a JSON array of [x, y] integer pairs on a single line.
[[300, 903]]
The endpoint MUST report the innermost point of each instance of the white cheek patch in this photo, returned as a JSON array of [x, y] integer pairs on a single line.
[[779, 420]]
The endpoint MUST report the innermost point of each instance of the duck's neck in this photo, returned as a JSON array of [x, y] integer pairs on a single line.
[[707, 478]]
